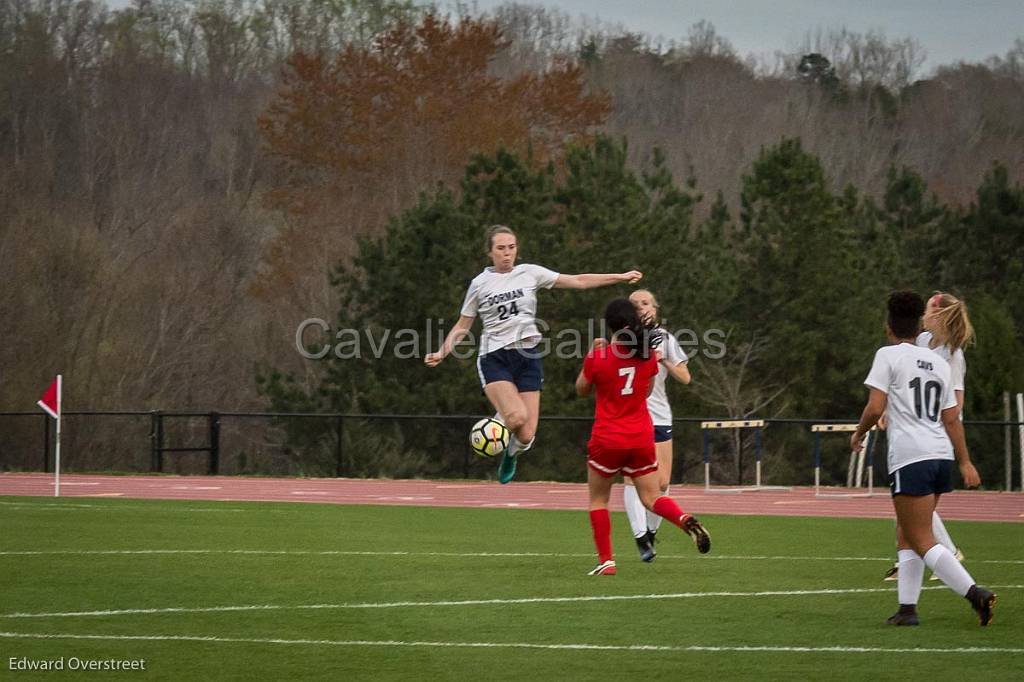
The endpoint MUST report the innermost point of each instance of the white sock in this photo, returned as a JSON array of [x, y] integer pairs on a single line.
[[653, 520], [941, 534], [515, 446], [950, 571], [908, 581], [635, 511]]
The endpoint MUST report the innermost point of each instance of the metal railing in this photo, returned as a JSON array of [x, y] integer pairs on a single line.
[[427, 446]]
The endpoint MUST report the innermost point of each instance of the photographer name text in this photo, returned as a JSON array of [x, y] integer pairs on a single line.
[[75, 663]]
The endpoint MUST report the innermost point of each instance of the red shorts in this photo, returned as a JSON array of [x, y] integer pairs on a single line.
[[631, 462]]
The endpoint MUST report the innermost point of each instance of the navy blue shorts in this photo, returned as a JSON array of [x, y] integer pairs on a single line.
[[927, 477], [662, 433], [521, 366]]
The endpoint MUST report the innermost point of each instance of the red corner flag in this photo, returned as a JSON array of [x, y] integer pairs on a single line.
[[51, 404], [51, 399]]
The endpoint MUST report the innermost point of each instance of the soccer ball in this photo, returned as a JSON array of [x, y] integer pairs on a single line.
[[488, 437]]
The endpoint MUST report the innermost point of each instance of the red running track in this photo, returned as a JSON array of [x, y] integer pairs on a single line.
[[960, 505]]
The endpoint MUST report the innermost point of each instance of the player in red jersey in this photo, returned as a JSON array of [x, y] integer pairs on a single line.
[[622, 440]]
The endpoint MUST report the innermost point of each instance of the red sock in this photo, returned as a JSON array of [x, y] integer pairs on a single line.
[[601, 524], [666, 508]]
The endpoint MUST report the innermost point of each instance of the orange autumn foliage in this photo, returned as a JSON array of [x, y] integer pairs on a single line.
[[385, 122], [358, 136]]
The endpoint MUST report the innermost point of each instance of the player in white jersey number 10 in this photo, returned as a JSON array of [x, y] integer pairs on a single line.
[[947, 331], [504, 297], [912, 386]]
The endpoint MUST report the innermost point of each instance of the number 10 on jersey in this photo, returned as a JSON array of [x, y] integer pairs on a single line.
[[926, 402]]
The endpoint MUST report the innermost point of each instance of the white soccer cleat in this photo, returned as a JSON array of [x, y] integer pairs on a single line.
[[605, 568]]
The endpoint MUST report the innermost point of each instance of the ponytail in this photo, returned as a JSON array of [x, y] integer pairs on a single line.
[[950, 323]]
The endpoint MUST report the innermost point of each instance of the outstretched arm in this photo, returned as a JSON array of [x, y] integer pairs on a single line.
[[592, 281], [457, 333]]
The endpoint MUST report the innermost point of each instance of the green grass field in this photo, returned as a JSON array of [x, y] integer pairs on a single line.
[[362, 592]]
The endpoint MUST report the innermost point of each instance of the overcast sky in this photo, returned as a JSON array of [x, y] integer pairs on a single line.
[[949, 30]]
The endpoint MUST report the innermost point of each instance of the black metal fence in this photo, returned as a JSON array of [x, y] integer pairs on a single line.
[[426, 446]]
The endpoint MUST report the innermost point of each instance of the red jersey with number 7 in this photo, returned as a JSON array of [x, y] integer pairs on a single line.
[[621, 419]]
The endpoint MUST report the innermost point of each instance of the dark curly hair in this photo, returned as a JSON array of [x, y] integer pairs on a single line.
[[637, 338], [905, 310]]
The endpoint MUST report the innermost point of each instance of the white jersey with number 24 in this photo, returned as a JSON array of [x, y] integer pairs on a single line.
[[506, 303]]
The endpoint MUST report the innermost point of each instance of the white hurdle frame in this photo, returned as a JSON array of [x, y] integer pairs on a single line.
[[864, 458], [756, 424]]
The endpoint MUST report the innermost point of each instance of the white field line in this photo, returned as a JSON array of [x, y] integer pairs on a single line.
[[119, 507], [299, 496], [470, 602], [521, 645], [501, 555]]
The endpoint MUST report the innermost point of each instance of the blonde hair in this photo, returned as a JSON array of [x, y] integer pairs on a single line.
[[495, 230], [654, 301], [951, 325]]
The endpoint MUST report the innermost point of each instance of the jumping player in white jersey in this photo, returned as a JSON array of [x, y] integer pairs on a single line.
[[671, 361], [948, 331], [912, 387], [504, 296]]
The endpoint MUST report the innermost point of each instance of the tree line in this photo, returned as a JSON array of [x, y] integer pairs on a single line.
[[794, 280]]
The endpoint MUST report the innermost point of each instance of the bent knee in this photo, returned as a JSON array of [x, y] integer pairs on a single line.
[[648, 498], [515, 420]]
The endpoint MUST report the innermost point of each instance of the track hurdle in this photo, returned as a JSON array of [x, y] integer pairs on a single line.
[[756, 424], [863, 458]]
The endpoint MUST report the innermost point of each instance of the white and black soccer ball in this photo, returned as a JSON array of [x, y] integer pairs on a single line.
[[489, 437]]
